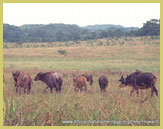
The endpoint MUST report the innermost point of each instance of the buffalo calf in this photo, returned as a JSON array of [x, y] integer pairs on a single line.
[[22, 79], [80, 82]]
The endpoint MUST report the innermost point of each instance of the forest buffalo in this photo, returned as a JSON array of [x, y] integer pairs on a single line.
[[139, 80], [52, 79], [22, 79], [80, 82], [103, 82]]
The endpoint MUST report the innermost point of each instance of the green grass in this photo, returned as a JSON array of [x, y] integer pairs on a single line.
[[122, 64], [115, 106]]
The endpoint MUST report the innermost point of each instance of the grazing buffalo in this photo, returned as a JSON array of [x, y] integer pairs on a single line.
[[139, 80], [89, 77], [52, 79], [103, 82], [22, 79], [80, 82]]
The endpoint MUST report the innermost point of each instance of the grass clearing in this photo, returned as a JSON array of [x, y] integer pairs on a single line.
[[114, 107]]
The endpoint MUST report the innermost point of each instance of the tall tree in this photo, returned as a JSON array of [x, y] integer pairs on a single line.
[[150, 28]]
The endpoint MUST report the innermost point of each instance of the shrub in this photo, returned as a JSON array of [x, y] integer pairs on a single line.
[[100, 43], [63, 52], [5, 46], [121, 43], [107, 43], [35, 46], [42, 45], [28, 46]]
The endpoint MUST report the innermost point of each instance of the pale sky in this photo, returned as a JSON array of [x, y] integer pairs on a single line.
[[81, 14]]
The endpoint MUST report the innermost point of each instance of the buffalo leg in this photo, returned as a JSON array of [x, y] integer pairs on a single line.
[[154, 90], [19, 90], [51, 90], [75, 88], [29, 88], [25, 90], [101, 89], [85, 88], [16, 89], [80, 89], [56, 87], [60, 86], [59, 89], [132, 91], [45, 89], [137, 92]]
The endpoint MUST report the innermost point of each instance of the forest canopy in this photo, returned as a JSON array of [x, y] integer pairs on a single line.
[[66, 32]]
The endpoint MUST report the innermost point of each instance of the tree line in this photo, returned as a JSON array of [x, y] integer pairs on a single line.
[[65, 32]]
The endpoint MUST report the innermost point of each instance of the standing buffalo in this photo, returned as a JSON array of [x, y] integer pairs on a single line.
[[22, 79], [89, 77], [52, 79], [80, 82], [103, 82], [139, 80]]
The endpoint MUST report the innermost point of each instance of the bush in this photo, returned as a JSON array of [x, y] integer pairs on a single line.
[[35, 46], [42, 45], [107, 43], [63, 52], [5, 46], [121, 43], [100, 43], [155, 37], [28, 46]]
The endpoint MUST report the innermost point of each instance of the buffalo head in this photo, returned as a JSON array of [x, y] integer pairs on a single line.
[[38, 76], [123, 82]]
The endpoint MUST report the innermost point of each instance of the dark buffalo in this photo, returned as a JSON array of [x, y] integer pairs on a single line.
[[89, 77], [103, 82], [139, 80], [22, 79], [52, 79], [80, 82]]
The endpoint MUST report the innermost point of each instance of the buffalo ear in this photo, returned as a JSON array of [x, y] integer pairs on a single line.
[[13, 74], [74, 79], [122, 76], [40, 73]]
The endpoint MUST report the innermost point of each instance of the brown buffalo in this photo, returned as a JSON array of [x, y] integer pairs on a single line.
[[89, 77], [103, 82], [140, 80], [52, 79], [80, 82], [22, 79]]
